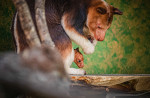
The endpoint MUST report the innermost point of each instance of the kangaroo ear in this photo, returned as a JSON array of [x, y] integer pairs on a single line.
[[117, 11], [77, 49]]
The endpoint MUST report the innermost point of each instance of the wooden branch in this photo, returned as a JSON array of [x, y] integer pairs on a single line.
[[38, 73], [27, 23], [41, 23]]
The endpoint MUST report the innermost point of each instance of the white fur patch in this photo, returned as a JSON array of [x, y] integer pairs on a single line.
[[73, 71], [69, 59], [16, 34], [67, 63], [84, 43]]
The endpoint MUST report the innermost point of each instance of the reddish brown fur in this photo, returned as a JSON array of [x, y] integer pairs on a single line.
[[98, 23], [78, 58]]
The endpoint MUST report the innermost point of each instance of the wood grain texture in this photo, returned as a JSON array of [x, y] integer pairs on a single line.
[[128, 82]]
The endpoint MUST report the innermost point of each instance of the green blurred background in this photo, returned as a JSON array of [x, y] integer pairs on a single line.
[[125, 50]]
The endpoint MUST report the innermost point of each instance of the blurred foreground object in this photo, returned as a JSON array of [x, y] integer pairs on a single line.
[[36, 72]]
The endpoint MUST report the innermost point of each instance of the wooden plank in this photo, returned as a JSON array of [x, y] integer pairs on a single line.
[[130, 82]]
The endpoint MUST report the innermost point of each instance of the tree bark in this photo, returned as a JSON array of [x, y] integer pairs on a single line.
[[41, 24], [27, 23]]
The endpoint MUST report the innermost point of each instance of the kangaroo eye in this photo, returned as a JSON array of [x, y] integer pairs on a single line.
[[101, 10], [79, 60]]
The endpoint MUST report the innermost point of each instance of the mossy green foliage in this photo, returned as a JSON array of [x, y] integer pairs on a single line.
[[125, 50]]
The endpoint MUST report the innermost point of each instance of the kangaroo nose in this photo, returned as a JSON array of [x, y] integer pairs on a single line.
[[81, 65], [100, 39]]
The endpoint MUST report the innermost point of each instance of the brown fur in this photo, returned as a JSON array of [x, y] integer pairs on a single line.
[[99, 23], [66, 20], [78, 58]]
